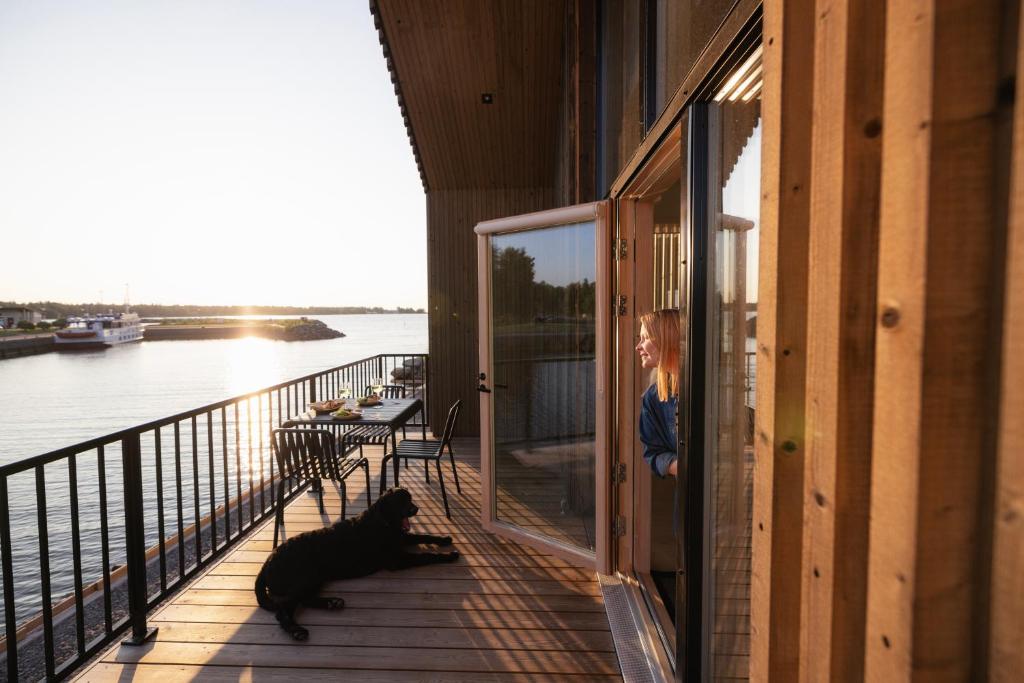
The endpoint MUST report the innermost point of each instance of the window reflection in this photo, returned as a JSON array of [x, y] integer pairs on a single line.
[[543, 306], [735, 153]]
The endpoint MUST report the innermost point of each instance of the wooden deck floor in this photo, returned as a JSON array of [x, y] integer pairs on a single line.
[[503, 612]]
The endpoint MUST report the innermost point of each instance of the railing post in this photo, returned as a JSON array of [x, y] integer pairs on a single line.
[[312, 389], [11, 633], [135, 540]]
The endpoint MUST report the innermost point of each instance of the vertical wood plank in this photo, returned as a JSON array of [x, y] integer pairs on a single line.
[[934, 347], [1007, 610], [846, 162], [779, 439]]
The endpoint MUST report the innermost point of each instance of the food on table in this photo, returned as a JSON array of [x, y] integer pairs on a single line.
[[346, 414], [371, 400], [320, 407]]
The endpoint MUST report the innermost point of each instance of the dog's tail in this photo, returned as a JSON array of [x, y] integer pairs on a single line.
[[263, 596]]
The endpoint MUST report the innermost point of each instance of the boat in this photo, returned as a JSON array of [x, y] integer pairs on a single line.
[[99, 331]]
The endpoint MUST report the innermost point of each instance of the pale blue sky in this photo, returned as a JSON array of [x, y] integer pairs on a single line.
[[206, 152]]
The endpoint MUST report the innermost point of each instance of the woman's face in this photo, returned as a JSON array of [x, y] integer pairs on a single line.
[[648, 350]]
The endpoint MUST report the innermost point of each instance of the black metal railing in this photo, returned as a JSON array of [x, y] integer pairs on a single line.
[[124, 520]]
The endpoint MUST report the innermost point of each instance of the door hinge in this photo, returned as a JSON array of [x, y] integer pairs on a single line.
[[619, 526], [619, 305], [621, 250], [619, 473]]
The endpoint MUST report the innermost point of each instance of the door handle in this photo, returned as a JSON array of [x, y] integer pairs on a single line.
[[483, 388]]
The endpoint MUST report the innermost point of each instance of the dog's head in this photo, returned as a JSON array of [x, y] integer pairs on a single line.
[[395, 508]]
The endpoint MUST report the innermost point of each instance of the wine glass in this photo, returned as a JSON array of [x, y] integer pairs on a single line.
[[346, 390], [378, 385]]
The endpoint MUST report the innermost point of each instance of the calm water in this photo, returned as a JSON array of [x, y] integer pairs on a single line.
[[57, 399]]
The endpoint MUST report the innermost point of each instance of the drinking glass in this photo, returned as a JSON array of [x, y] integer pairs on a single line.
[[378, 385], [346, 390]]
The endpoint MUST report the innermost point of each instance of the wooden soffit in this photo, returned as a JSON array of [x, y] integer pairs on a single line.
[[445, 55]]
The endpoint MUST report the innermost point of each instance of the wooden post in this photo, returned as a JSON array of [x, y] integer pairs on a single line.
[[934, 350], [782, 292], [1007, 654], [843, 248]]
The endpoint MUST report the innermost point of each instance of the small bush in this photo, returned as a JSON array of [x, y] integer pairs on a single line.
[[42, 325], [25, 325], [60, 322]]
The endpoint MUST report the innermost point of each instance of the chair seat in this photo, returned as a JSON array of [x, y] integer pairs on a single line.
[[419, 450], [367, 434]]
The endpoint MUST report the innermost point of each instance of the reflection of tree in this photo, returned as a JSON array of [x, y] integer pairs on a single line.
[[523, 300], [513, 275]]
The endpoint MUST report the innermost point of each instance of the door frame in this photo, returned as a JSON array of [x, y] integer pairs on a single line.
[[632, 497], [601, 214]]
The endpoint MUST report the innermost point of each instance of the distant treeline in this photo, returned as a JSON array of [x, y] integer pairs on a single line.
[[53, 309]]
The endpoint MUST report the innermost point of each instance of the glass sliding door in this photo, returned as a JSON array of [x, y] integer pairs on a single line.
[[543, 378], [725, 165]]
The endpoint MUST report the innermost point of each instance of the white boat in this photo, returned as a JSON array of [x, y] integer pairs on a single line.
[[96, 331]]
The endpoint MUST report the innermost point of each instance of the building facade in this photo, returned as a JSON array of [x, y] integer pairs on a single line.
[[828, 193]]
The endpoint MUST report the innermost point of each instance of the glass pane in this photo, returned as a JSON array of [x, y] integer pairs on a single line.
[[663, 511], [735, 165], [544, 398]]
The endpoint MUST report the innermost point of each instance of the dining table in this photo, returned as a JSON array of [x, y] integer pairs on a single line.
[[393, 413]]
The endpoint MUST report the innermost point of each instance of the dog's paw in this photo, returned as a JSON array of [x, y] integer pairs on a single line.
[[300, 634], [445, 540], [335, 603], [452, 556]]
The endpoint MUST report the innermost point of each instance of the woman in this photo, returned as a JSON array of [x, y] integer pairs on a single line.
[[659, 348]]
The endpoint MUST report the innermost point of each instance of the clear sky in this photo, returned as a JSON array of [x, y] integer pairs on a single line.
[[204, 152]]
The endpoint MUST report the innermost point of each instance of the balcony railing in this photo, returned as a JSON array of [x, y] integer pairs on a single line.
[[124, 520]]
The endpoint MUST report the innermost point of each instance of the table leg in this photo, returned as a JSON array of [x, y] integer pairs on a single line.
[[394, 455], [423, 422]]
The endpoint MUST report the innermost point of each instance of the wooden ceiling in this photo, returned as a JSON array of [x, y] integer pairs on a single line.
[[445, 54]]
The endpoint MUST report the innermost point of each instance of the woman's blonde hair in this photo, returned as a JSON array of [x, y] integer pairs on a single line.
[[663, 329]]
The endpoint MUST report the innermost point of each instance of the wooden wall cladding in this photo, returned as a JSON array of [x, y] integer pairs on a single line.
[[446, 54], [843, 250], [903, 344], [781, 338], [452, 291], [927, 578]]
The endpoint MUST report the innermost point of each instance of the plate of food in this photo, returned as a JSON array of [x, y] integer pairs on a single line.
[[369, 401], [323, 407], [346, 414]]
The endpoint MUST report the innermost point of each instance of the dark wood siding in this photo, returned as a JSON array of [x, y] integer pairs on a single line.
[[452, 290]]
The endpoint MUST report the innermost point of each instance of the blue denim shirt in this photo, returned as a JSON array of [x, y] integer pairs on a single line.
[[658, 431]]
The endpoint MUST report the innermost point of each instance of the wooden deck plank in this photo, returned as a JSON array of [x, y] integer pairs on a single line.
[[391, 584], [503, 612], [407, 618], [372, 658], [468, 638], [381, 600], [250, 569], [175, 673]]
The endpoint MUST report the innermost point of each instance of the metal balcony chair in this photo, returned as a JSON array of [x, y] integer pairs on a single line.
[[415, 449], [374, 435], [312, 455]]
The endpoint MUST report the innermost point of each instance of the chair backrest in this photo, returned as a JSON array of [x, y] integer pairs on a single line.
[[449, 424], [305, 453], [389, 391]]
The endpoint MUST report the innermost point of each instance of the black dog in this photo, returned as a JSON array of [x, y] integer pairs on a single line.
[[375, 539]]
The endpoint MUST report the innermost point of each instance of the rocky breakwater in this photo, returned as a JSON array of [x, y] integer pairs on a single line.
[[309, 330]]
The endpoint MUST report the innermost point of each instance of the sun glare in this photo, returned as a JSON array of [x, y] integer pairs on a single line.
[[252, 363]]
